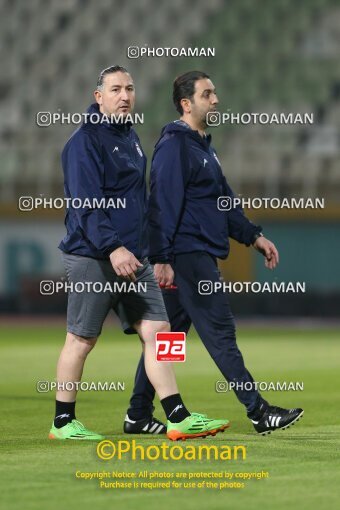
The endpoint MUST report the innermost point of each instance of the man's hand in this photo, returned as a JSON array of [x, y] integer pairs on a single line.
[[164, 275], [124, 263], [268, 249]]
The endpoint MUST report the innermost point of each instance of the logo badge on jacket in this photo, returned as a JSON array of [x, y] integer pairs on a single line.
[[216, 158], [139, 150]]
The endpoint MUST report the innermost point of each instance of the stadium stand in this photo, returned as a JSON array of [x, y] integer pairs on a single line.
[[286, 60]]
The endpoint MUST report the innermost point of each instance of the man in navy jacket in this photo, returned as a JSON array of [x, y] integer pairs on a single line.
[[188, 233], [104, 170]]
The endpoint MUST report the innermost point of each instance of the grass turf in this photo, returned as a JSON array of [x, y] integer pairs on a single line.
[[302, 461]]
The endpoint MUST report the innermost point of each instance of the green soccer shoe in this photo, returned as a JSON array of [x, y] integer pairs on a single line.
[[74, 430], [195, 425]]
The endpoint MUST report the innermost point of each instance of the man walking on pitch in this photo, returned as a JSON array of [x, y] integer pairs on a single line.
[[101, 161], [188, 233]]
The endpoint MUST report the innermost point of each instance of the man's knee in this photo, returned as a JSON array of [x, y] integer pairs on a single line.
[[163, 327], [83, 345], [147, 329]]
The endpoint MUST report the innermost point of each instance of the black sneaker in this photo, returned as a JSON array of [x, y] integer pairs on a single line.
[[144, 426], [276, 418]]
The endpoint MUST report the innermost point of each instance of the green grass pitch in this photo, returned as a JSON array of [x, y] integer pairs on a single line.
[[303, 461]]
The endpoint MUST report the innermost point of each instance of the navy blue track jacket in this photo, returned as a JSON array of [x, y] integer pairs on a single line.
[[186, 181], [105, 160]]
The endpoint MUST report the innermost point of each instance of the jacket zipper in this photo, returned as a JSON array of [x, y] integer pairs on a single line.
[[141, 213]]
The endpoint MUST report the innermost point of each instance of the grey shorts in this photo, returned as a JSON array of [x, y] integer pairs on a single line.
[[87, 310]]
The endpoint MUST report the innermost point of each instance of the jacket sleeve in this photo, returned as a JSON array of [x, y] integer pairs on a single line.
[[240, 228], [170, 173], [84, 177]]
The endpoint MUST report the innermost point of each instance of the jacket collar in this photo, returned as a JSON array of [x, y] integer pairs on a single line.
[[181, 126]]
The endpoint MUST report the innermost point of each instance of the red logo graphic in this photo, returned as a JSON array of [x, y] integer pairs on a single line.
[[170, 346]]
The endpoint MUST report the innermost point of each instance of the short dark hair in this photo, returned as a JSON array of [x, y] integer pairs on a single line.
[[109, 70], [184, 87]]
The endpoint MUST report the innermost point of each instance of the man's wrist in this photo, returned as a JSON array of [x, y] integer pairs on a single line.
[[112, 248], [160, 260], [256, 236]]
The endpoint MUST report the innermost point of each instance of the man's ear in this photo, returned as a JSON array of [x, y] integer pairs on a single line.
[[98, 97], [186, 105]]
